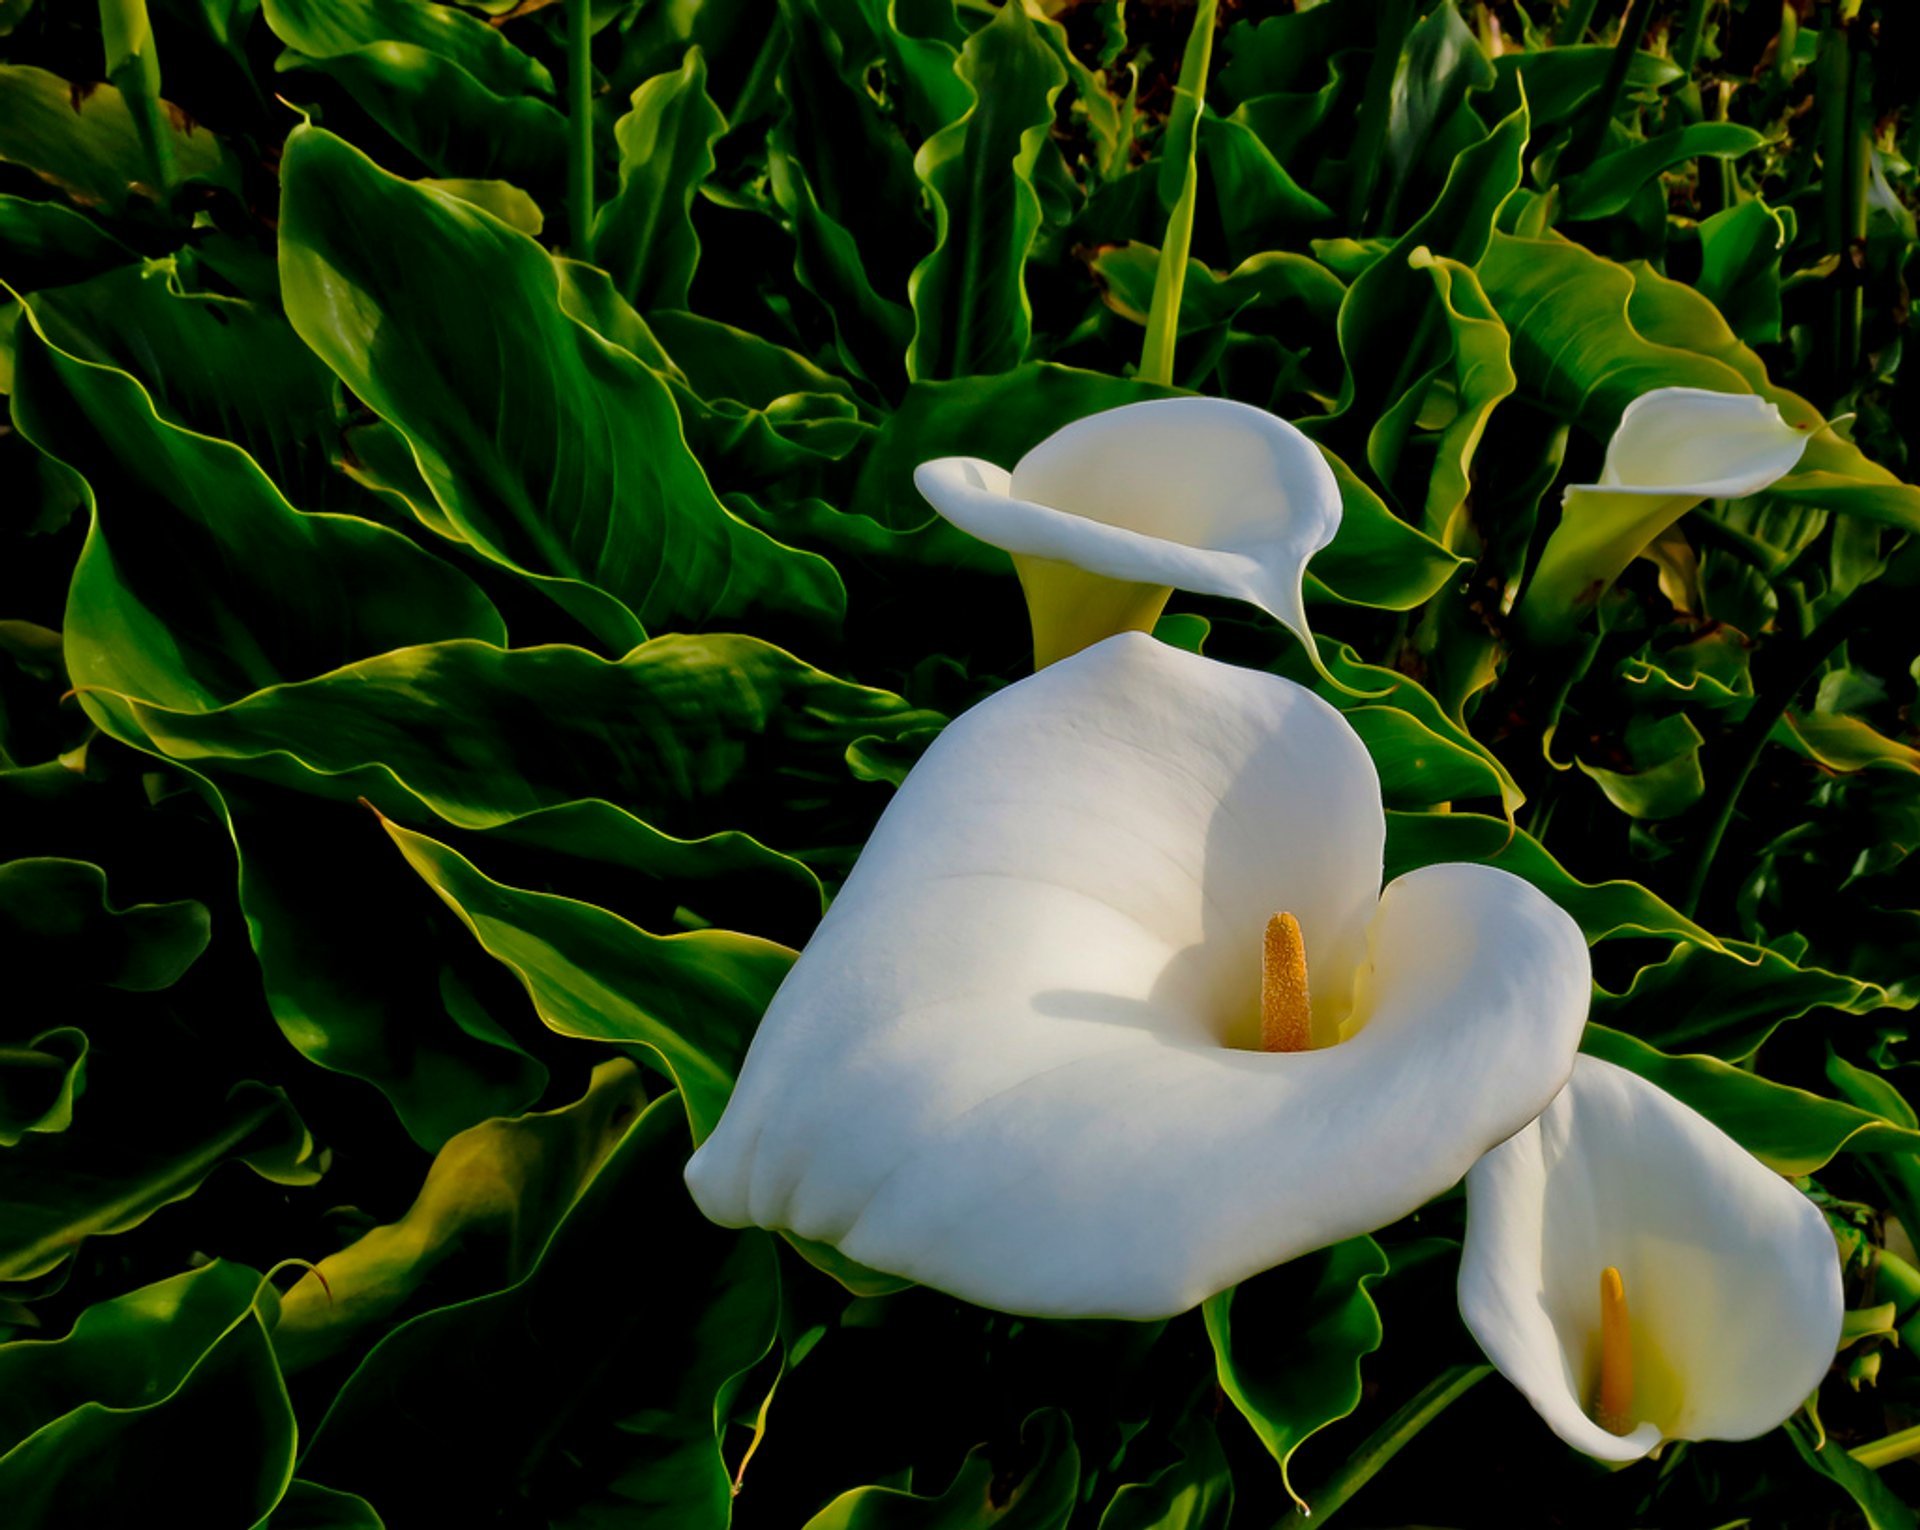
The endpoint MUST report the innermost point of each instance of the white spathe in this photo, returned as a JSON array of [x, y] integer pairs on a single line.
[[1674, 448], [1196, 494], [1732, 1277], [1011, 1062]]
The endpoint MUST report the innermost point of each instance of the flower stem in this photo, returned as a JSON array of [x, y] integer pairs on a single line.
[[1183, 143], [1385, 1443], [1593, 136], [1884, 1452], [579, 128], [1845, 162], [133, 67]]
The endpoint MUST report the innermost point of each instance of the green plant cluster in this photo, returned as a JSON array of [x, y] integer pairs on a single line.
[[463, 604]]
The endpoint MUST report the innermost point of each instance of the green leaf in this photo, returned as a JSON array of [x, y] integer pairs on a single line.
[[567, 1393], [1790, 1130], [1740, 250], [1728, 1003], [39, 1082], [494, 1194], [175, 1385], [1603, 910], [1665, 778], [1034, 1489], [58, 927], [1289, 1343], [1613, 180], [327, 28], [644, 236], [220, 366], [1375, 558], [445, 117], [309, 1506], [318, 878], [681, 731], [503, 199], [550, 450], [91, 1181], [1259, 203], [47, 243], [1195, 1492], [688, 1003], [172, 599], [1881, 1507], [1441, 63], [1389, 302], [82, 138], [1843, 744], [969, 295]]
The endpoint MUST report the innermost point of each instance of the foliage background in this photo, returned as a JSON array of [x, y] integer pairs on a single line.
[[452, 644]]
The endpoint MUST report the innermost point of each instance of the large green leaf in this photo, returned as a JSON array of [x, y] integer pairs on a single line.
[[325, 28], [1612, 181], [82, 138], [547, 448], [175, 599], [91, 1181], [1728, 1004], [969, 295], [57, 926], [1288, 1344], [47, 243], [173, 1384], [590, 1392], [1037, 1493], [690, 733], [218, 365], [1602, 910], [1788, 1129], [644, 236], [444, 116], [688, 1003], [494, 1194]]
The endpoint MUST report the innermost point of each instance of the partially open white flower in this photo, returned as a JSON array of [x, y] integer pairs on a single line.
[[1674, 448], [1641, 1277], [1107, 516], [1112, 1013]]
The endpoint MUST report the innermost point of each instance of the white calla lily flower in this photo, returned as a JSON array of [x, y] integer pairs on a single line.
[[1106, 517], [1641, 1277], [1113, 1013], [1674, 448]]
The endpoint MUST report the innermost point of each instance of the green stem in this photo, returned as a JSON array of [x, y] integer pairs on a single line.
[[579, 128], [1385, 1443], [1845, 161], [1396, 20], [1884, 1452], [1693, 35], [1183, 143], [133, 67], [1593, 137], [1574, 21]]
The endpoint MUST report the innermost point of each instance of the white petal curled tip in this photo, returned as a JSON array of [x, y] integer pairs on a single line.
[[1731, 1277], [1008, 1063], [1200, 494], [1698, 444]]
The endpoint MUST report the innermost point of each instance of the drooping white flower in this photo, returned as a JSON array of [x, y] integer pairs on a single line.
[[1674, 448], [1641, 1277], [1024, 1060], [1107, 516]]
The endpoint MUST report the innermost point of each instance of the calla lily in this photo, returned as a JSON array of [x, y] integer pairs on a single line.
[[1106, 517], [1113, 1013], [1674, 448], [1641, 1277]]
